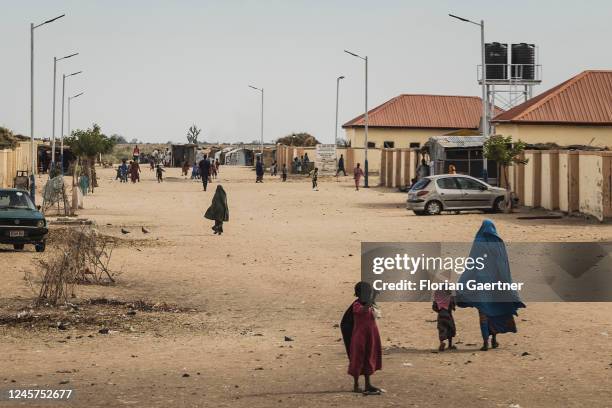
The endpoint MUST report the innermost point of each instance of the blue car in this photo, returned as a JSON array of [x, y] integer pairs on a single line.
[[21, 222]]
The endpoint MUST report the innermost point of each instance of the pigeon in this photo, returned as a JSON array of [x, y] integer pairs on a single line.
[[144, 230], [124, 231]]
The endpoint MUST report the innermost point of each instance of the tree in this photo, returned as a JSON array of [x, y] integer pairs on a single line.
[[341, 142], [298, 139], [505, 153], [86, 145], [192, 134], [119, 139]]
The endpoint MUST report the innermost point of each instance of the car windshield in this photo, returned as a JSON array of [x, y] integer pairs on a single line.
[[419, 185], [15, 199]]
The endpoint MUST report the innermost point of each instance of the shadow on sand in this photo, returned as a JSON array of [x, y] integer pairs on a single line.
[[286, 393]]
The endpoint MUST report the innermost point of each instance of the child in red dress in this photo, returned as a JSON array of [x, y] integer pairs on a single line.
[[362, 339]]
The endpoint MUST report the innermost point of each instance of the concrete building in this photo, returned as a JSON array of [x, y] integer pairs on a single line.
[[576, 112], [410, 120]]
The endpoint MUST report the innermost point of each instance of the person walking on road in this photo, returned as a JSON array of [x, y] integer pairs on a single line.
[[159, 172], [315, 175], [204, 166], [259, 171], [218, 210], [357, 175], [341, 166], [284, 172]]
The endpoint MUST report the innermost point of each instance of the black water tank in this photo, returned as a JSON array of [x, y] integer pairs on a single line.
[[496, 58], [524, 55]]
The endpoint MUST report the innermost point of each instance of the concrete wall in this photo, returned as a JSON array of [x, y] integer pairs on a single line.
[[352, 156], [402, 137], [564, 182], [591, 185], [398, 167], [563, 135], [570, 181]]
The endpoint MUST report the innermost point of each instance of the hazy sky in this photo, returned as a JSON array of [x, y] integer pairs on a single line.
[[152, 68]]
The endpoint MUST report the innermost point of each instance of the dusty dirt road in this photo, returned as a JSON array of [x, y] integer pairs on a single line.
[[286, 266]]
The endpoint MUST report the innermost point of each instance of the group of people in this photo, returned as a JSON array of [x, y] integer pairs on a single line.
[[301, 165], [196, 169], [131, 170], [357, 172], [495, 313]]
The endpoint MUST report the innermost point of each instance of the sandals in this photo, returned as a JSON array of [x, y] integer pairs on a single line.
[[373, 391]]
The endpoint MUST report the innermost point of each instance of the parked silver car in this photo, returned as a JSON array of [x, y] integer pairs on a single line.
[[434, 194]]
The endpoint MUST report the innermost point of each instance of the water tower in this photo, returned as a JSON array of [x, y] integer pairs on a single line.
[[510, 74]]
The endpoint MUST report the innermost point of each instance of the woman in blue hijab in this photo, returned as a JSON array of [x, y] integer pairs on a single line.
[[496, 309]]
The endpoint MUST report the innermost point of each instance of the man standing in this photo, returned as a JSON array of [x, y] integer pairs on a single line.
[[204, 166], [136, 154]]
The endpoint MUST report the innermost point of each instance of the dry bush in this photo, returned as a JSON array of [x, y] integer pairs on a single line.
[[79, 256]]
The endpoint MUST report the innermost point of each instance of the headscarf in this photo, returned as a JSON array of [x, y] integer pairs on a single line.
[[489, 246], [442, 299], [218, 210]]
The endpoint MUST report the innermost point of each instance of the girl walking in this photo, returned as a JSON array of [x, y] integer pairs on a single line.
[[443, 305]]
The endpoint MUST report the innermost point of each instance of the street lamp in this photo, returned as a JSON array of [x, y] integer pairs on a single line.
[[69, 98], [262, 117], [485, 101], [63, 99], [365, 59], [337, 98], [55, 60], [32, 149]]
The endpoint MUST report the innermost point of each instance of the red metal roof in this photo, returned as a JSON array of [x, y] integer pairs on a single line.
[[424, 111], [585, 99]]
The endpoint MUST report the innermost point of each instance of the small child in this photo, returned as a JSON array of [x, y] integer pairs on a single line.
[[284, 172], [315, 175], [362, 339], [159, 171], [444, 304]]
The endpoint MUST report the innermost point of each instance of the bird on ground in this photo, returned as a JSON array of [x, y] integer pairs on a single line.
[[144, 230], [124, 231]]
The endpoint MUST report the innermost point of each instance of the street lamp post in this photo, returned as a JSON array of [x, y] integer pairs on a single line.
[[365, 59], [485, 99], [262, 117], [69, 99], [32, 149], [337, 99], [64, 76], [55, 60]]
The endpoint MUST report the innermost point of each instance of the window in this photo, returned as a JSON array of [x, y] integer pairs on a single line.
[[469, 184], [447, 183], [415, 144], [388, 145], [15, 199], [421, 184], [371, 145]]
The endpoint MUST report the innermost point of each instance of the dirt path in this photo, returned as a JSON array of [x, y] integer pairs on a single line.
[[286, 266]]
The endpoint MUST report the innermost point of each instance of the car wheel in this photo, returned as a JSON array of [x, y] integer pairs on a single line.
[[433, 208], [418, 212], [18, 247], [40, 247], [498, 205]]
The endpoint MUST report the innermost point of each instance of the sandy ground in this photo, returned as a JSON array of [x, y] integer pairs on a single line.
[[286, 266]]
